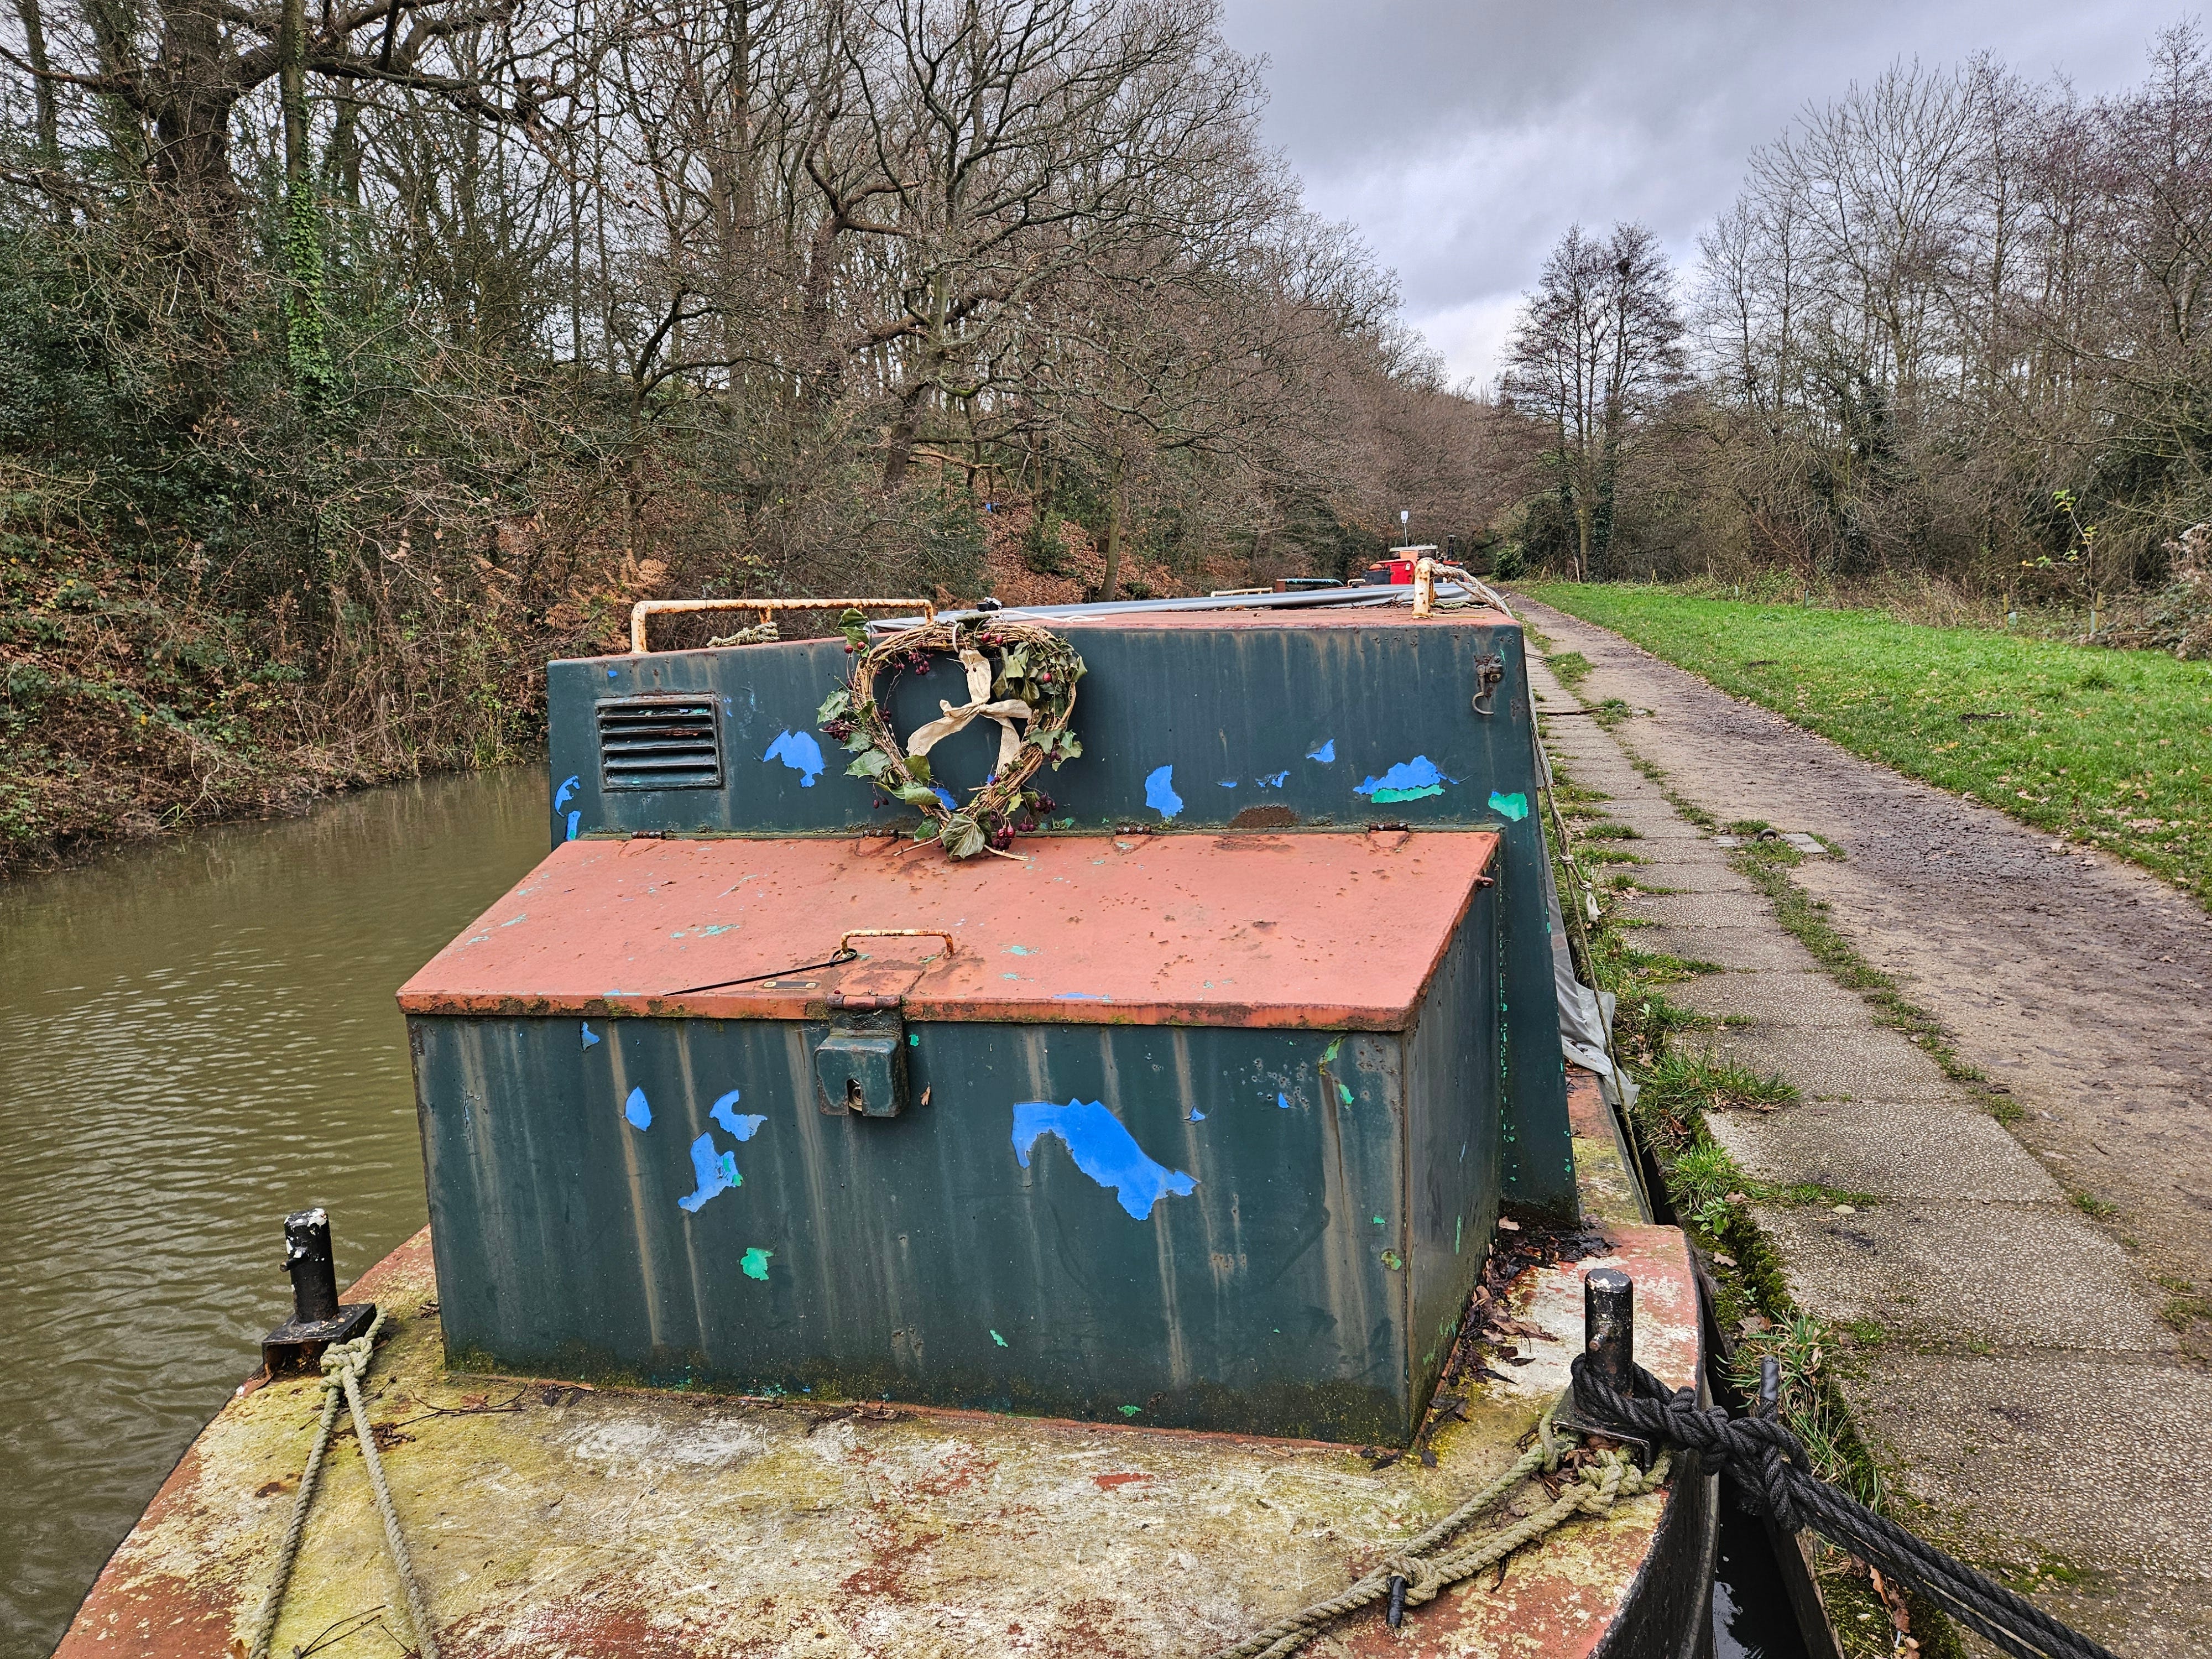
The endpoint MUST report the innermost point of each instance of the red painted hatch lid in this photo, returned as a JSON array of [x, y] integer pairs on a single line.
[[1331, 931]]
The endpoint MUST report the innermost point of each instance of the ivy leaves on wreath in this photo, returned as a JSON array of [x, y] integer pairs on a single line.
[[1028, 695]]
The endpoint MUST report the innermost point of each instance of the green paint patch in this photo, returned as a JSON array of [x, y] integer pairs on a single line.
[[996, 1338], [1513, 807], [755, 1264], [1129, 1410], [1393, 1261]]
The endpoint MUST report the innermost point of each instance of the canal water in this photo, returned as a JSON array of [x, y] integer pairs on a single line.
[[196, 1037]]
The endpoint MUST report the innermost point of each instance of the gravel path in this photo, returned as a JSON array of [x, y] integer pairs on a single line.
[[2031, 1380]]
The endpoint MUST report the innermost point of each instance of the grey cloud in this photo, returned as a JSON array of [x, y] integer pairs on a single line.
[[1463, 139]]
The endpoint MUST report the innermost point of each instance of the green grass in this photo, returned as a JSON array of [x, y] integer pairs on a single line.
[[2109, 747]]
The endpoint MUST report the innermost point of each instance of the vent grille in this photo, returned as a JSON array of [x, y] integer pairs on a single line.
[[659, 743]]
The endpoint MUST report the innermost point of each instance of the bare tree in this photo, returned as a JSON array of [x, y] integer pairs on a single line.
[[1597, 348]]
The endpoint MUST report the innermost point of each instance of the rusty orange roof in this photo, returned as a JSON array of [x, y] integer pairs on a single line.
[[1326, 931]]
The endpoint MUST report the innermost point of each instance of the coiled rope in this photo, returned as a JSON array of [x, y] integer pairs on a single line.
[[1775, 1477], [345, 1364], [1415, 1574]]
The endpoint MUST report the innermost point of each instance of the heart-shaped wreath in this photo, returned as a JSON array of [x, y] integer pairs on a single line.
[[1028, 695]]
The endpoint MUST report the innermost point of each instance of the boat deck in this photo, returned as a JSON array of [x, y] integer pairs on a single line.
[[552, 1519]]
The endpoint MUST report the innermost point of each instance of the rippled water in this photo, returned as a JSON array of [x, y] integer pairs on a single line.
[[195, 1038]]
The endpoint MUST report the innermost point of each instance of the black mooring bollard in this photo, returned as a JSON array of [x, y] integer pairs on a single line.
[[307, 1258], [318, 1319], [1609, 1325]]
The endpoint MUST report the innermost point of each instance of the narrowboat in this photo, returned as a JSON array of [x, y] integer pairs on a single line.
[[988, 1132]]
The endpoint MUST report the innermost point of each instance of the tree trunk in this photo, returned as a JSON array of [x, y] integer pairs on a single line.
[[1112, 582], [42, 90], [292, 88], [191, 94]]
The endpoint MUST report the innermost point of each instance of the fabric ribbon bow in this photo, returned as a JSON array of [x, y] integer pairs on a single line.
[[1004, 712]]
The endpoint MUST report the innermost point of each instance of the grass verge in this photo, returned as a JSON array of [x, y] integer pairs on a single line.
[[2107, 746]]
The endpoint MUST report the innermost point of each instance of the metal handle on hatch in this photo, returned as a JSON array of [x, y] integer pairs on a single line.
[[845, 943]]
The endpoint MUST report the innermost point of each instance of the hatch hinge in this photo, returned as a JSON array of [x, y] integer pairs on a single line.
[[859, 1068]]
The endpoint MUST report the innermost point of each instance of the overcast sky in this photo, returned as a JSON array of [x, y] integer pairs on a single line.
[[1462, 136]]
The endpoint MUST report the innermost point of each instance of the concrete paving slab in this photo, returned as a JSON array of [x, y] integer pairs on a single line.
[[1648, 823], [1684, 876], [2093, 1459], [2025, 1276], [1744, 949], [1874, 1065], [1812, 1000], [1709, 909], [1900, 1152]]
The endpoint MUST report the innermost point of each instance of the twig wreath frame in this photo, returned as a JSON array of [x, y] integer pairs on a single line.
[[1029, 695]]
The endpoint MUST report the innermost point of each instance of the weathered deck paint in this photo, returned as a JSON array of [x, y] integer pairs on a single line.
[[1336, 932], [1270, 1065], [559, 1523]]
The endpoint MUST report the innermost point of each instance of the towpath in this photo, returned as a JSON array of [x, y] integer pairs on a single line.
[[2030, 1306]]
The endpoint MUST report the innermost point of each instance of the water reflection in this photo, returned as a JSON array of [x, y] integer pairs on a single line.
[[1752, 1618], [195, 1038]]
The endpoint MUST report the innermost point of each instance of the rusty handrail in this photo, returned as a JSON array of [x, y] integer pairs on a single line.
[[645, 608]]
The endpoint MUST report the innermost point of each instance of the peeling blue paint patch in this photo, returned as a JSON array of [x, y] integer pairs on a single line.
[[1079, 996], [1196, 1117], [744, 1126], [1159, 792], [635, 1109], [519, 915], [561, 795], [797, 750], [719, 927], [574, 820], [591, 1037], [1514, 806], [717, 1173], [1282, 1100], [996, 1338], [1325, 753], [1273, 780], [755, 1265], [1410, 779], [1103, 1149], [1019, 950], [945, 795], [610, 673], [1229, 783]]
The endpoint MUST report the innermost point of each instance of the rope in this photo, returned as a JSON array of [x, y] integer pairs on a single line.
[[343, 1365], [1775, 1477], [1413, 1576], [761, 633]]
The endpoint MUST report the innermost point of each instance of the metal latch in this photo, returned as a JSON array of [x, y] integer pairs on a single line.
[[860, 1066], [1489, 671]]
